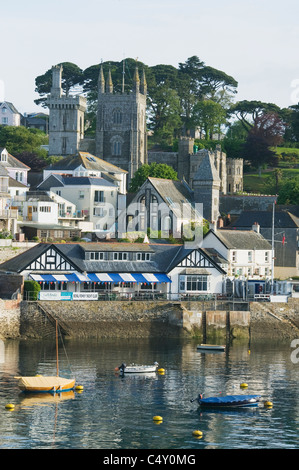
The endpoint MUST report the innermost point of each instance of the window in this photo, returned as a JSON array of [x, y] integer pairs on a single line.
[[4, 110], [234, 256], [5, 120], [45, 209], [266, 256], [117, 117], [99, 196], [119, 256], [143, 256], [194, 283], [249, 256], [81, 194], [98, 211], [116, 149], [98, 255]]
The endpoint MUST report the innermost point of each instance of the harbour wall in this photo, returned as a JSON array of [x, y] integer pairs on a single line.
[[129, 319]]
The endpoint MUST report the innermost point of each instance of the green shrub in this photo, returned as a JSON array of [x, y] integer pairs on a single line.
[[31, 290]]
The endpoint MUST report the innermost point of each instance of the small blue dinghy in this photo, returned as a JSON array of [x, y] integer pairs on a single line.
[[229, 401]]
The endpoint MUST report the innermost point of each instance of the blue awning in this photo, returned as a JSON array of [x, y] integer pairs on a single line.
[[114, 278], [71, 277]]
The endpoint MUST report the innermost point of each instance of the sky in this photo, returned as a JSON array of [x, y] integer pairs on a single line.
[[255, 41]]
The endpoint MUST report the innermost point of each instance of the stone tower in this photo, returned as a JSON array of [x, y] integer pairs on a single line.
[[121, 137], [206, 186], [66, 118]]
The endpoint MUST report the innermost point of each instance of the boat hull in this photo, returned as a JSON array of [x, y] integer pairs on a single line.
[[42, 384], [230, 401], [210, 347], [139, 370]]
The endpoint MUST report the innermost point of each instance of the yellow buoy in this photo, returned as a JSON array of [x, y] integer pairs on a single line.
[[268, 404], [157, 418], [79, 387], [244, 385], [9, 406], [197, 433], [161, 371]]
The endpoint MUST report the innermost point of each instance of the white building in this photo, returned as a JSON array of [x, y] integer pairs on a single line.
[[96, 199], [14, 167], [9, 115], [247, 252]]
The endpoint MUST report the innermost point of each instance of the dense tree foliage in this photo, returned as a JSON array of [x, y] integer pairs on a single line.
[[155, 170]]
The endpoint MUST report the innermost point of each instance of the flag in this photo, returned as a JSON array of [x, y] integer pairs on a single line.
[[283, 239]]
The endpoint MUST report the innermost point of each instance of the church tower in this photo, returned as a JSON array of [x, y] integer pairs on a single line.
[[66, 118], [121, 137]]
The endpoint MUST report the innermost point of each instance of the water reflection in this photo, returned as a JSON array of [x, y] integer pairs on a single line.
[[116, 412]]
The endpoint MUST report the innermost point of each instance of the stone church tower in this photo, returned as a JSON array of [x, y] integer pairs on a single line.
[[121, 137], [66, 118]]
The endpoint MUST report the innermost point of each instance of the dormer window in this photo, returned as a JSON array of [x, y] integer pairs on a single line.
[[143, 256], [120, 256], [3, 156], [4, 109]]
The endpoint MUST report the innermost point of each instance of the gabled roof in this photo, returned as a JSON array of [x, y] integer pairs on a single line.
[[241, 239], [87, 160], [13, 162], [10, 106], [183, 252]]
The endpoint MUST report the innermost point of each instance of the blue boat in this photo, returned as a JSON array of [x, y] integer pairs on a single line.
[[229, 401]]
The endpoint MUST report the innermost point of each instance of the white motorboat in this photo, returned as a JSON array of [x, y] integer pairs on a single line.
[[137, 369]]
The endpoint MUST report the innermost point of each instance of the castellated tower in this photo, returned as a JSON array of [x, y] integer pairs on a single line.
[[66, 118], [207, 186], [121, 137]]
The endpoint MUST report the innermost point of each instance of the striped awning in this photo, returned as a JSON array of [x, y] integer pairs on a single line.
[[72, 277], [114, 278]]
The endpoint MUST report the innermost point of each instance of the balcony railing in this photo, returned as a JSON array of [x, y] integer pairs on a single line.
[[9, 214]]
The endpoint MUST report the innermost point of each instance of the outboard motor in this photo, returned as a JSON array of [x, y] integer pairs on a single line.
[[122, 367]]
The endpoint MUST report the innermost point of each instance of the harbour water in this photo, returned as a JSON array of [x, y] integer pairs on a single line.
[[114, 412]]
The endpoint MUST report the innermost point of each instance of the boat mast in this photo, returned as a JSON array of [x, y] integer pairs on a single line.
[[272, 261], [57, 373]]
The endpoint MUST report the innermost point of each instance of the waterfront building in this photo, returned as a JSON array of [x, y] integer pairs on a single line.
[[286, 226], [91, 271]]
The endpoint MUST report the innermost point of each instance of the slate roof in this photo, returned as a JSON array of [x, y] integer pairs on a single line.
[[87, 160], [207, 170], [175, 194], [264, 219], [242, 239], [161, 257], [59, 181], [13, 162], [10, 106]]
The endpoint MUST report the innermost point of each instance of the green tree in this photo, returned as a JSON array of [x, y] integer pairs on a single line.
[[155, 170], [72, 75], [289, 192], [247, 112], [210, 116], [19, 139]]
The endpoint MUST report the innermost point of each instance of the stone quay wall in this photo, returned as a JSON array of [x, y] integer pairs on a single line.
[[128, 319]]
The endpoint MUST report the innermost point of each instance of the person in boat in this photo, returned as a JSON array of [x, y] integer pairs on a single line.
[[122, 367]]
